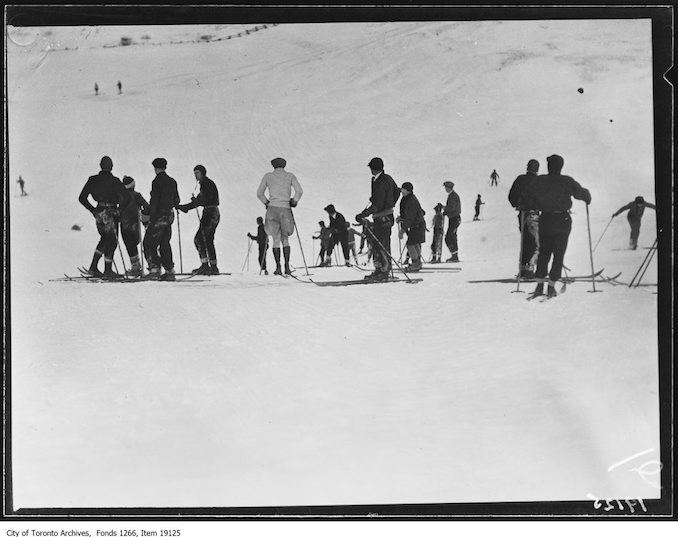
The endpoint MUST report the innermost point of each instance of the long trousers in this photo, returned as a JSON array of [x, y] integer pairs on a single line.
[[554, 231]]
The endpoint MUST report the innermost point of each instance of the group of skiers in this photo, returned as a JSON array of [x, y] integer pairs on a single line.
[[543, 203], [120, 206]]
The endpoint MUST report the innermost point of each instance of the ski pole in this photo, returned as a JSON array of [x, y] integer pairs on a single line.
[[181, 259], [247, 255], [645, 260], [299, 239], [521, 215], [603, 233], [593, 271], [141, 242], [386, 251], [647, 265]]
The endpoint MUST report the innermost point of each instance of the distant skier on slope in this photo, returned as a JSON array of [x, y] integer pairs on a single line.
[[279, 219], [130, 217], [339, 230], [635, 213], [21, 186], [164, 199], [384, 195], [494, 177], [522, 199], [208, 198], [108, 192], [479, 202], [412, 222], [96, 89], [438, 225], [453, 212], [262, 242], [119, 87], [554, 193]]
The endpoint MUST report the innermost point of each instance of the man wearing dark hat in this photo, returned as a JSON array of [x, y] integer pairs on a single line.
[[438, 225], [453, 211], [339, 231], [279, 221], [553, 193], [108, 192], [130, 229], [523, 200], [164, 199], [208, 198], [635, 212], [262, 242], [385, 194], [412, 222]]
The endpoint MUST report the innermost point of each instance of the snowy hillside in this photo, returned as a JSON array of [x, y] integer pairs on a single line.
[[253, 390]]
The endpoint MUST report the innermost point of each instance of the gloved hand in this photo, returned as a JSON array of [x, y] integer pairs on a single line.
[[359, 217], [401, 233], [293, 203], [398, 219], [250, 236]]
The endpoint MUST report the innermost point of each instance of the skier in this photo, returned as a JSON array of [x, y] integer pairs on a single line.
[[438, 225], [108, 192], [553, 193], [479, 202], [494, 177], [119, 87], [164, 199], [262, 242], [132, 203], [635, 212], [339, 229], [522, 199], [325, 237], [96, 89], [21, 186], [412, 222], [279, 218], [384, 195], [208, 198], [453, 211]]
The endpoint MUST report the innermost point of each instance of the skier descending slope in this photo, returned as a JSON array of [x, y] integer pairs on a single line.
[[279, 221], [107, 190], [554, 193], [164, 199], [208, 198], [385, 193], [635, 212]]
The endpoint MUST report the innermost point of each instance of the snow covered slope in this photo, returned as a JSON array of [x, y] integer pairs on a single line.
[[252, 390]]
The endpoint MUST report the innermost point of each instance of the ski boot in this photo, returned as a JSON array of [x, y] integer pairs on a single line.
[[551, 291], [202, 269], [169, 276], [213, 271]]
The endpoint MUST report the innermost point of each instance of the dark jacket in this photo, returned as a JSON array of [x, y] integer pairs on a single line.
[[164, 195], [412, 219], [635, 210], [261, 236], [554, 192], [338, 225], [207, 197], [521, 195], [105, 188], [385, 193], [129, 208], [453, 205]]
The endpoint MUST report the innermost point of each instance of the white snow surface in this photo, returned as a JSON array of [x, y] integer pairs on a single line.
[[251, 390]]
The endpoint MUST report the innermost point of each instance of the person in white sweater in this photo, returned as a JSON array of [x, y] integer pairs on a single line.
[[279, 223]]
